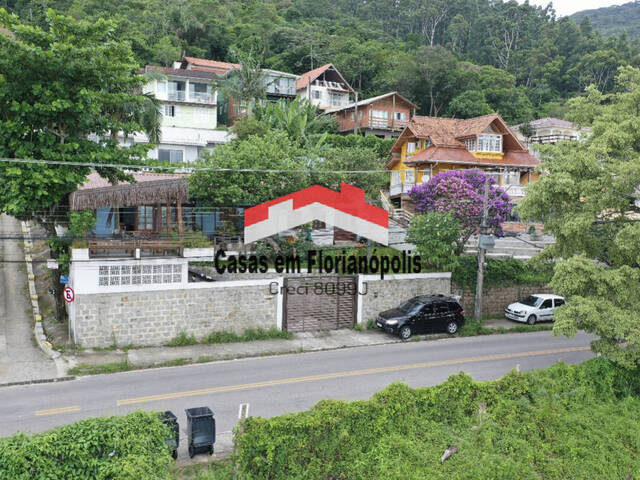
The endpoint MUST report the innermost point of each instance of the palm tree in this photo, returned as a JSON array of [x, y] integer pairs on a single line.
[[245, 83]]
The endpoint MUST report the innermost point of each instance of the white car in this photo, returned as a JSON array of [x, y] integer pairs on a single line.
[[535, 308]]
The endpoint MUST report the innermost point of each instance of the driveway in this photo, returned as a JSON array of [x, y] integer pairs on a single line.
[[20, 357]]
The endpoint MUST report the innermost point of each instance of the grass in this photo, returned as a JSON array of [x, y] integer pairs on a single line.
[[113, 367], [249, 335], [476, 327]]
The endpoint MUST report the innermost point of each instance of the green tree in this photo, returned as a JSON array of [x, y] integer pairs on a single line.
[[589, 201], [435, 235], [471, 103], [274, 151], [246, 83]]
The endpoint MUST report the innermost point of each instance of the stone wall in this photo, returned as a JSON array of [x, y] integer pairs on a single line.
[[496, 299], [155, 317], [389, 293]]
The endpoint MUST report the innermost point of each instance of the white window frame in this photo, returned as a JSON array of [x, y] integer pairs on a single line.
[[409, 176], [411, 148], [169, 111], [173, 153], [395, 177], [489, 143], [316, 94], [401, 116]]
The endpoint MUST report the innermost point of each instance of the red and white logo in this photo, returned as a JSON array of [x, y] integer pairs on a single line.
[[346, 209]]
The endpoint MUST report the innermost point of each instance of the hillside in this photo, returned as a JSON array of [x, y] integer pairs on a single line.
[[614, 19], [459, 58]]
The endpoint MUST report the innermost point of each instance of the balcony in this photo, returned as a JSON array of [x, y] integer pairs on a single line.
[[400, 188], [385, 124], [552, 138], [515, 190], [280, 90], [201, 97], [176, 96]]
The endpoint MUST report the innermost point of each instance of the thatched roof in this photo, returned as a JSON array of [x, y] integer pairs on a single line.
[[151, 188]]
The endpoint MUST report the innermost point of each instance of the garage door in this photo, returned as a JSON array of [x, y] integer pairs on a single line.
[[319, 303]]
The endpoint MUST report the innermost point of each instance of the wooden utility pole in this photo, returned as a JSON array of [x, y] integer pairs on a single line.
[[477, 308], [355, 116]]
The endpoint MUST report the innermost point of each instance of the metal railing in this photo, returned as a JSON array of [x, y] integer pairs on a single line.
[[200, 97], [384, 123], [551, 138], [401, 188], [177, 96]]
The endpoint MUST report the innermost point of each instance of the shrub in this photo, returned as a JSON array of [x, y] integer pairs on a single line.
[[130, 447], [181, 340]]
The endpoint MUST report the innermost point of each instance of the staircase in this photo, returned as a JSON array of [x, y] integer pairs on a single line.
[[399, 221], [522, 247]]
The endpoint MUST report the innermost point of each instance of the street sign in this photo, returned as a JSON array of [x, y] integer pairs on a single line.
[[52, 264], [64, 279], [67, 294]]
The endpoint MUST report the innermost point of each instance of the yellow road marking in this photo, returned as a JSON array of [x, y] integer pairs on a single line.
[[353, 373], [55, 411]]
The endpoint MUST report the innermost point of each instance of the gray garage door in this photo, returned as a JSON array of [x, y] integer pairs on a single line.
[[319, 303]]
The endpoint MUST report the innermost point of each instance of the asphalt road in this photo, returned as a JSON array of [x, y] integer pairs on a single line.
[[280, 384]]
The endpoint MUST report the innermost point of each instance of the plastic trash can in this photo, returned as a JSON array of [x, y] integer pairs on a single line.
[[201, 430], [169, 419]]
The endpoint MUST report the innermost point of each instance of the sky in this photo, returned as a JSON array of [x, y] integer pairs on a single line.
[[567, 7]]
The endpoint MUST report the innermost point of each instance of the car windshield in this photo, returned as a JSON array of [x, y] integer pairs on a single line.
[[410, 306], [531, 301]]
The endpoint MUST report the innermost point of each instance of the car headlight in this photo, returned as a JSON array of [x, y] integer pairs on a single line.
[[391, 322], [517, 312]]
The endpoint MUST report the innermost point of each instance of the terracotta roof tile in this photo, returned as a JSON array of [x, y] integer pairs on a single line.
[[463, 157], [181, 72], [210, 64], [310, 76]]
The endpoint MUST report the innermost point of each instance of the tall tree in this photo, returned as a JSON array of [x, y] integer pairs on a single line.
[[589, 201]]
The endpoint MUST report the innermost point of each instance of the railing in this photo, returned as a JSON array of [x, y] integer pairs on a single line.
[[551, 138], [177, 96], [201, 97], [275, 89], [401, 188], [384, 123], [514, 190]]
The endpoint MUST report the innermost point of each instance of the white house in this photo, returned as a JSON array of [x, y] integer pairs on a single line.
[[550, 130], [189, 114], [325, 88]]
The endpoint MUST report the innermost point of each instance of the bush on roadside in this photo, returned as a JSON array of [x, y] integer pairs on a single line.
[[562, 422], [130, 447]]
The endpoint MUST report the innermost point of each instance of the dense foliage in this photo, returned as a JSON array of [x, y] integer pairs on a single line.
[[501, 271], [522, 59], [435, 235], [562, 422], [130, 447], [589, 201], [461, 193]]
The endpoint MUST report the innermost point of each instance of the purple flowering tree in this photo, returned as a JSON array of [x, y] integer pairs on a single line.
[[460, 193]]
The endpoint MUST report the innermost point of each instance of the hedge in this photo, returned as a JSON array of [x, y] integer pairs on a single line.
[[501, 271], [130, 447], [562, 422]]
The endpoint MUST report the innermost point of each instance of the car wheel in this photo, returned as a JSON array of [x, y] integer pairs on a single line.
[[531, 320], [404, 333], [174, 454], [452, 327]]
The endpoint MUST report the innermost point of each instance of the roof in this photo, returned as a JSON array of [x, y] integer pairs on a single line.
[[371, 100], [209, 65], [449, 132], [149, 188], [180, 72], [310, 76], [549, 122], [462, 156]]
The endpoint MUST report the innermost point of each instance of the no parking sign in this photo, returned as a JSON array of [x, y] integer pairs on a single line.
[[67, 294]]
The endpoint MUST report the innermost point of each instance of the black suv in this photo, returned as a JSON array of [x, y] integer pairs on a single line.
[[423, 314]]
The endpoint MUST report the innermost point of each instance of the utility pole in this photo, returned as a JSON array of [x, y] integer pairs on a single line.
[[355, 116], [484, 242]]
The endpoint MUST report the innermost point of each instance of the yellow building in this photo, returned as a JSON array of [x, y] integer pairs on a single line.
[[430, 145]]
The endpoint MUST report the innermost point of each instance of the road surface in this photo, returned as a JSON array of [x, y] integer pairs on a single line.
[[280, 384]]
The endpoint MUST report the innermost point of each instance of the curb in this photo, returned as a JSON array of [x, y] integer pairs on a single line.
[[41, 380], [38, 330]]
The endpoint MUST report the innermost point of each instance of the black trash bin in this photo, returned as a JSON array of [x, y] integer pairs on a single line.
[[201, 430], [169, 419]]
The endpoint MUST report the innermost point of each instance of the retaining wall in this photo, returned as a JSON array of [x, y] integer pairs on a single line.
[[496, 299]]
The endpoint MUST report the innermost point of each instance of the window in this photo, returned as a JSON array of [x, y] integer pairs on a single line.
[[489, 143], [171, 156], [512, 178], [145, 218], [336, 99], [558, 302], [162, 87], [411, 147], [176, 91], [114, 275], [316, 94], [546, 304], [427, 143], [401, 116], [409, 176], [352, 115], [199, 92], [169, 110], [442, 308], [470, 143], [395, 178]]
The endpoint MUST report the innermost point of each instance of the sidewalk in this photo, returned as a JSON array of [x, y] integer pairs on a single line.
[[301, 342]]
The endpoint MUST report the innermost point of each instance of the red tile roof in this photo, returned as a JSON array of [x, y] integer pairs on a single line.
[[306, 78], [180, 72], [373, 100], [203, 64], [463, 157]]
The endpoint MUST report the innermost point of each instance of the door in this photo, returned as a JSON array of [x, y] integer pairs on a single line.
[[441, 316], [422, 319], [545, 312], [557, 302]]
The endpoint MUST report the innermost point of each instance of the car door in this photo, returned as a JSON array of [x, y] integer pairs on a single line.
[[557, 302], [545, 312], [441, 316], [423, 319]]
